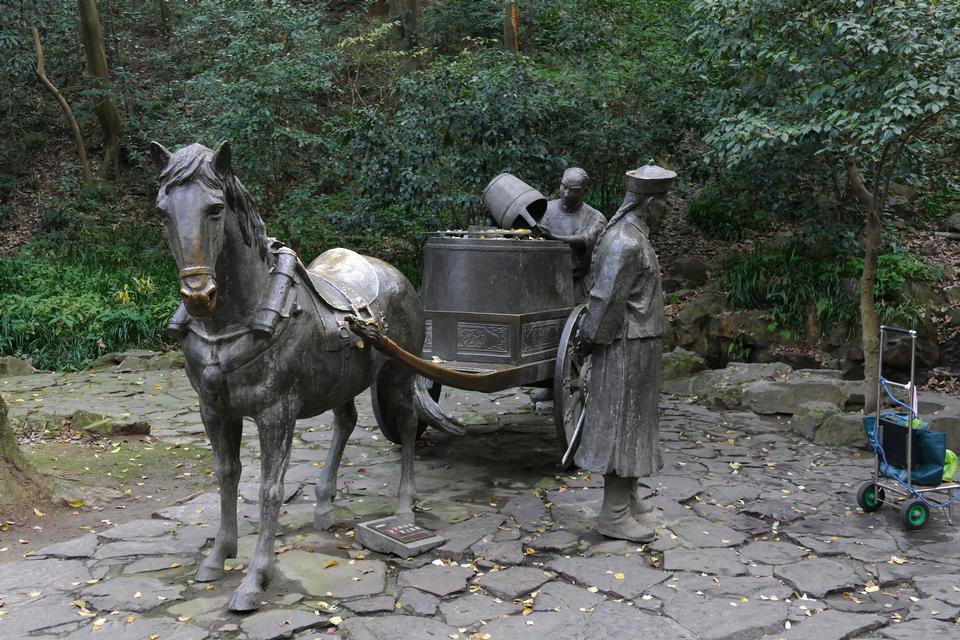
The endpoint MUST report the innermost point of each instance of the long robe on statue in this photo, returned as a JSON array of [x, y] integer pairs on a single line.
[[624, 321]]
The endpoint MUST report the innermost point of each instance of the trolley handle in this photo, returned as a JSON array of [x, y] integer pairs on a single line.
[[910, 332]]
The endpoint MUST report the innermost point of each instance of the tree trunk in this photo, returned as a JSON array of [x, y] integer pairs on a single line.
[[77, 136], [164, 17], [511, 25], [20, 485], [872, 233], [407, 13], [108, 116]]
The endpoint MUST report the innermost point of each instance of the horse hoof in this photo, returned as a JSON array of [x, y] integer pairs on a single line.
[[323, 519], [406, 517], [210, 573], [244, 601]]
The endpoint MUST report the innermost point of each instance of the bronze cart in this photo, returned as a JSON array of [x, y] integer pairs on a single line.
[[500, 313]]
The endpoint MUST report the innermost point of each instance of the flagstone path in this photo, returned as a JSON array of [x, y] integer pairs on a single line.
[[759, 537]]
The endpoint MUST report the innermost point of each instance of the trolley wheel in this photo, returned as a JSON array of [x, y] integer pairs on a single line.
[[870, 497], [571, 375], [914, 514]]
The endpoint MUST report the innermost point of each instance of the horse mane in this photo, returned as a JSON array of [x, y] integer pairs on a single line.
[[194, 162]]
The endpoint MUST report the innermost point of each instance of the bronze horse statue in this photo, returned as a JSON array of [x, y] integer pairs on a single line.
[[265, 337]]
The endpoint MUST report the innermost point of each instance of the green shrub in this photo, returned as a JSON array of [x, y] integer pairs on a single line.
[[805, 275], [726, 212]]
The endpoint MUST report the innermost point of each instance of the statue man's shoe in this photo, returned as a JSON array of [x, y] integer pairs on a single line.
[[625, 528], [616, 519]]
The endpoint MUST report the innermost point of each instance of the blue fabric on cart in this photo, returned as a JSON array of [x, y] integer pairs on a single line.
[[929, 449]]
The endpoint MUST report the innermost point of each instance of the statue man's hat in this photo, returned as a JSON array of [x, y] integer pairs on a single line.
[[650, 179]]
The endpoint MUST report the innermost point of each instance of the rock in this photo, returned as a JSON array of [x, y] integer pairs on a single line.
[[139, 530], [563, 596], [499, 552], [82, 547], [280, 623], [766, 552], [953, 293], [318, 580], [817, 577], [942, 587], [691, 270], [11, 366], [716, 619], [378, 628], [560, 540], [42, 575], [37, 614], [830, 625], [842, 430], [810, 415], [379, 604], [131, 594], [695, 315], [768, 397], [464, 534], [723, 388], [439, 580], [680, 363], [112, 427], [418, 602], [513, 582], [601, 572], [475, 607], [721, 562], [952, 223], [117, 628], [750, 328]]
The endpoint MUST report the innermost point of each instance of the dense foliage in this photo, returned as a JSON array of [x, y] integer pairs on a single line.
[[346, 136]]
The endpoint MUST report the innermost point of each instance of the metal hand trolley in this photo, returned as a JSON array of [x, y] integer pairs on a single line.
[[894, 435]]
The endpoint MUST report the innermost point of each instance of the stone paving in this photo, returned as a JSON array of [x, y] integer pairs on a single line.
[[759, 537]]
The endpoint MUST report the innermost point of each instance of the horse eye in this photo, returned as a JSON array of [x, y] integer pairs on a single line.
[[214, 211]]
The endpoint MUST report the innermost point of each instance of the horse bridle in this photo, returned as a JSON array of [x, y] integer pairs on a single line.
[[197, 271]]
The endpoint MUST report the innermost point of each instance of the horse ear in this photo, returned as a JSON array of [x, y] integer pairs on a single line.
[[159, 156], [221, 159]]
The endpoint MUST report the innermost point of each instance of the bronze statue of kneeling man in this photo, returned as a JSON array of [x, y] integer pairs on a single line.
[[622, 330]]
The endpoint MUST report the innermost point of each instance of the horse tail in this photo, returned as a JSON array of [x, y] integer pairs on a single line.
[[430, 413]]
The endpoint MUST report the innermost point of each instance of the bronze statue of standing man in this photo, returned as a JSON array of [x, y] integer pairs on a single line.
[[622, 330]]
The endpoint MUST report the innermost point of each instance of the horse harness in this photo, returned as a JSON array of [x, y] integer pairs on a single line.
[[334, 296]]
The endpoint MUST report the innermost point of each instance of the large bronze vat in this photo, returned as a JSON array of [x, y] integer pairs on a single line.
[[494, 300]]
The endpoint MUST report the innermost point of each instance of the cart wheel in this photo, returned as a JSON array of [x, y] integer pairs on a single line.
[[870, 497], [914, 514], [570, 379]]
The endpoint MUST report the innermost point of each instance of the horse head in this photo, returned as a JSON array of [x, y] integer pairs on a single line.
[[198, 194]]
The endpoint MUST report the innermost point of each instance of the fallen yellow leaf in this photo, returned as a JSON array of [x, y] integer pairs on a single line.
[[76, 504], [38, 513], [330, 563], [618, 576]]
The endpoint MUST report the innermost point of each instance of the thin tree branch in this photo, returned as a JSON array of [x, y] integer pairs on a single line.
[[77, 136], [859, 189]]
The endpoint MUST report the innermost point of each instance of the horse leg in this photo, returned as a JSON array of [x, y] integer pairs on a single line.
[[344, 421], [394, 389], [406, 415], [224, 435], [275, 427]]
